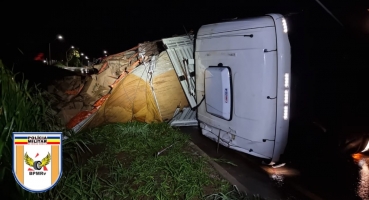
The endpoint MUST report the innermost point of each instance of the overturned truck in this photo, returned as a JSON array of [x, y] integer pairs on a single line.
[[238, 94]]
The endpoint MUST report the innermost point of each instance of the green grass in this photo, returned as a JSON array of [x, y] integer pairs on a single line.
[[22, 108], [234, 194], [128, 167]]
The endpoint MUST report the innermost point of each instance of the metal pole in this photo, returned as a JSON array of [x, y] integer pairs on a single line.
[[49, 54]]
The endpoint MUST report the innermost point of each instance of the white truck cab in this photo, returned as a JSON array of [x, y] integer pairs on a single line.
[[243, 70], [238, 78]]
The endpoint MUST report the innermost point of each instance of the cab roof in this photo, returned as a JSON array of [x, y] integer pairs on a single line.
[[234, 25]]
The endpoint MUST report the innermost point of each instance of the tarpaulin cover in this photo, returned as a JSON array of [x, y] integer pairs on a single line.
[[138, 84], [135, 98]]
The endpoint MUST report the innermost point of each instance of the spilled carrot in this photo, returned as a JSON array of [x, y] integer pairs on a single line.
[[77, 119], [101, 100]]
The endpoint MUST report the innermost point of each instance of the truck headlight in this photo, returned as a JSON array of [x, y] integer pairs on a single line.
[[284, 25], [286, 96], [286, 80], [285, 112]]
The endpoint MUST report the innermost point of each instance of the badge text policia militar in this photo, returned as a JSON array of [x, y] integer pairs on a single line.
[[37, 160]]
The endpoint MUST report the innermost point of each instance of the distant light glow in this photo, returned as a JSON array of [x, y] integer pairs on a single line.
[[284, 24], [44, 61], [60, 37], [72, 47], [105, 52], [82, 54], [363, 185], [363, 180], [286, 80], [286, 96], [285, 112], [86, 57], [366, 148]]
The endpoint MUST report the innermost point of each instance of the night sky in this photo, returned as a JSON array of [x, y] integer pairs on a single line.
[[119, 25]]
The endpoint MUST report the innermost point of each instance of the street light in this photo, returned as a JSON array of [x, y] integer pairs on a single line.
[[66, 54], [87, 60], [59, 37], [81, 58], [105, 52]]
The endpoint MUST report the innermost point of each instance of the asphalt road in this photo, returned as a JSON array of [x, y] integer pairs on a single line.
[[248, 170], [312, 171]]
